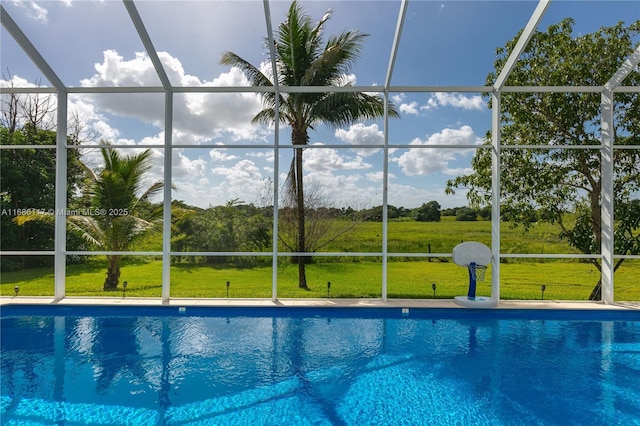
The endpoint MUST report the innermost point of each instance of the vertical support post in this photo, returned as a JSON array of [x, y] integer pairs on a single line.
[[520, 46], [606, 195], [606, 185], [274, 242], [276, 148], [385, 201], [60, 231], [402, 13], [495, 195], [166, 209]]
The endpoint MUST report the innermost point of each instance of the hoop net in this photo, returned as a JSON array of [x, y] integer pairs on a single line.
[[477, 271]]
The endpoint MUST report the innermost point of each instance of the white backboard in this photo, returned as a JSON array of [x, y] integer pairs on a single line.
[[471, 251]]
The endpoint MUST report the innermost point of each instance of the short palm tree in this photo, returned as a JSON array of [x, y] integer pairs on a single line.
[[302, 60], [108, 220]]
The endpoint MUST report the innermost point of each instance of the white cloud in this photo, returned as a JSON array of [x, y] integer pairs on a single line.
[[359, 134], [439, 100], [268, 155], [33, 10], [342, 190], [218, 155], [95, 126], [377, 177], [462, 136], [213, 186], [16, 81], [196, 193], [328, 159], [184, 167], [199, 114], [175, 70], [398, 98], [455, 100], [422, 162], [103, 130], [241, 175], [340, 178], [115, 71], [243, 181], [410, 108], [180, 137], [152, 140], [425, 161]]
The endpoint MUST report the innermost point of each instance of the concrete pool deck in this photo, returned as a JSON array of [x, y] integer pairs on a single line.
[[316, 303]]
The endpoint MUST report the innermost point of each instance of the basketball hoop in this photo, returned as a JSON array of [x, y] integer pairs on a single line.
[[477, 271], [475, 257]]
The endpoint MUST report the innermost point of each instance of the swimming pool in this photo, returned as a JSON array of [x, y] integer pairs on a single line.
[[318, 366]]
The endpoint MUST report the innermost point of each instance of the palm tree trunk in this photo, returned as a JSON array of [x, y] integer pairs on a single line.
[[113, 273], [596, 293], [302, 276]]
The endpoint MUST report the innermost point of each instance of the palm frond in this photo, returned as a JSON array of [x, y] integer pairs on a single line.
[[127, 230], [336, 60], [343, 108], [294, 38], [88, 229], [254, 75], [316, 35], [45, 217], [154, 189], [268, 116], [290, 186]]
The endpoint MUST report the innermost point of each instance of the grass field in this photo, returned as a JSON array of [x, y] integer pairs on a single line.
[[442, 237], [354, 276]]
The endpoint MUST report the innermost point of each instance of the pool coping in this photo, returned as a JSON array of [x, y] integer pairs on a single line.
[[316, 303]]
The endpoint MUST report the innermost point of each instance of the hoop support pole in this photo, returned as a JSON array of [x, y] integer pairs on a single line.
[[472, 281]]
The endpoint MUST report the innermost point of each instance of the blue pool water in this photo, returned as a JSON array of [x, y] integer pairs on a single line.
[[303, 366]]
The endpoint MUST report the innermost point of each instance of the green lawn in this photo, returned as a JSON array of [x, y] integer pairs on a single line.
[[563, 280], [354, 276]]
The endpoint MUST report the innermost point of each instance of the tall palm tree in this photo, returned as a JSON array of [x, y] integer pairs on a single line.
[[108, 219], [302, 60]]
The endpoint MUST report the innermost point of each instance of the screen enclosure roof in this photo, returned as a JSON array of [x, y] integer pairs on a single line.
[[128, 46]]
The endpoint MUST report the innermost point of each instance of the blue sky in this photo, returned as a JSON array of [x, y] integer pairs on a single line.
[[446, 43]]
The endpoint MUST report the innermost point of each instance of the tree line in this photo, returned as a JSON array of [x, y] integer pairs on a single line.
[[27, 182]]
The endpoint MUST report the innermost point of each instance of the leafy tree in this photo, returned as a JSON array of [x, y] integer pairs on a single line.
[[229, 228], [27, 182], [466, 214], [394, 212], [374, 214], [449, 212], [302, 60], [546, 184], [485, 213], [428, 212], [109, 220], [27, 176]]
